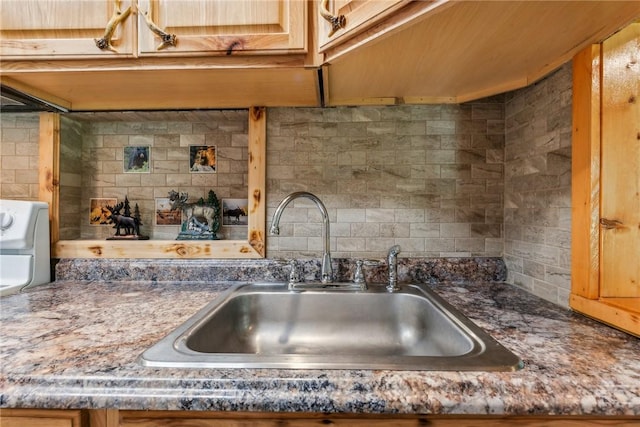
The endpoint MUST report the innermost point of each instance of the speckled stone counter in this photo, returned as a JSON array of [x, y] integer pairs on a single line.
[[74, 344], [415, 270]]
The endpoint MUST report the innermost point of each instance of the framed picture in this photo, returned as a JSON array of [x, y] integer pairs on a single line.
[[98, 212], [137, 159], [202, 158], [165, 215], [234, 211]]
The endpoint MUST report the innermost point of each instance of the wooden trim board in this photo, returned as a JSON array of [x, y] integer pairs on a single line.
[[611, 311], [585, 184]]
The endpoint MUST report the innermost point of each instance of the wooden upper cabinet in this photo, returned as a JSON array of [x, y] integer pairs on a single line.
[[605, 272], [620, 167], [339, 20], [71, 28], [39, 29], [221, 27]]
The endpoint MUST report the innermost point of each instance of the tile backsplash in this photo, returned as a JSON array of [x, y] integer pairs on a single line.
[[537, 220], [486, 178], [19, 135], [429, 178]]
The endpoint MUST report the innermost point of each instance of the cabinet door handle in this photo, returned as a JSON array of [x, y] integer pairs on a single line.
[[336, 21], [117, 18], [166, 39], [610, 224]]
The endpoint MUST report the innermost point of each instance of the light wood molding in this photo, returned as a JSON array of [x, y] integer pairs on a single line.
[[365, 101], [257, 178], [253, 247], [49, 169], [585, 184], [35, 92], [429, 100], [616, 312]]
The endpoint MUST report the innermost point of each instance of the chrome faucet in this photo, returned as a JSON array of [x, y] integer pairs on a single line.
[[392, 262], [326, 270]]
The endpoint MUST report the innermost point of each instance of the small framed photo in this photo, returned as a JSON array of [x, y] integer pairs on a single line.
[[98, 212], [165, 215], [234, 211], [203, 158], [137, 159]]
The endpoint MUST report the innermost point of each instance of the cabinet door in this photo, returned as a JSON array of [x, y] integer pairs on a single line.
[[222, 27], [70, 28], [35, 422], [41, 418], [357, 16], [620, 191]]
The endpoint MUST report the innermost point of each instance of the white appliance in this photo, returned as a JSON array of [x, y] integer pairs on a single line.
[[24, 245]]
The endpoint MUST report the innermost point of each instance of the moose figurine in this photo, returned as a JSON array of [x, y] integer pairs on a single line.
[[129, 225], [202, 218]]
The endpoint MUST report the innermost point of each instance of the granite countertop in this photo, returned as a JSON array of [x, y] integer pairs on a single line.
[[74, 344]]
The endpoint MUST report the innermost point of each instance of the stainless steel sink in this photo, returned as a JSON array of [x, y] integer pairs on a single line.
[[267, 326]]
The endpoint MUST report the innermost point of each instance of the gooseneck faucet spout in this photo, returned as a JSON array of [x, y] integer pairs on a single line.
[[392, 262], [326, 270]]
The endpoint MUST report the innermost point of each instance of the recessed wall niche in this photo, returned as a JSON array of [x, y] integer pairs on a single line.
[[92, 147]]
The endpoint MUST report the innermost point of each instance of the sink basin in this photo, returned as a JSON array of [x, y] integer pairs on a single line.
[[265, 325]]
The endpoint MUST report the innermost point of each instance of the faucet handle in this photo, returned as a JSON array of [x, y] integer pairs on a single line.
[[294, 274], [358, 275], [392, 261]]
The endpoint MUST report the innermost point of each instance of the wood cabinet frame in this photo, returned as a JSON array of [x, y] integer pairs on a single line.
[[122, 418], [253, 247], [586, 298], [43, 417]]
